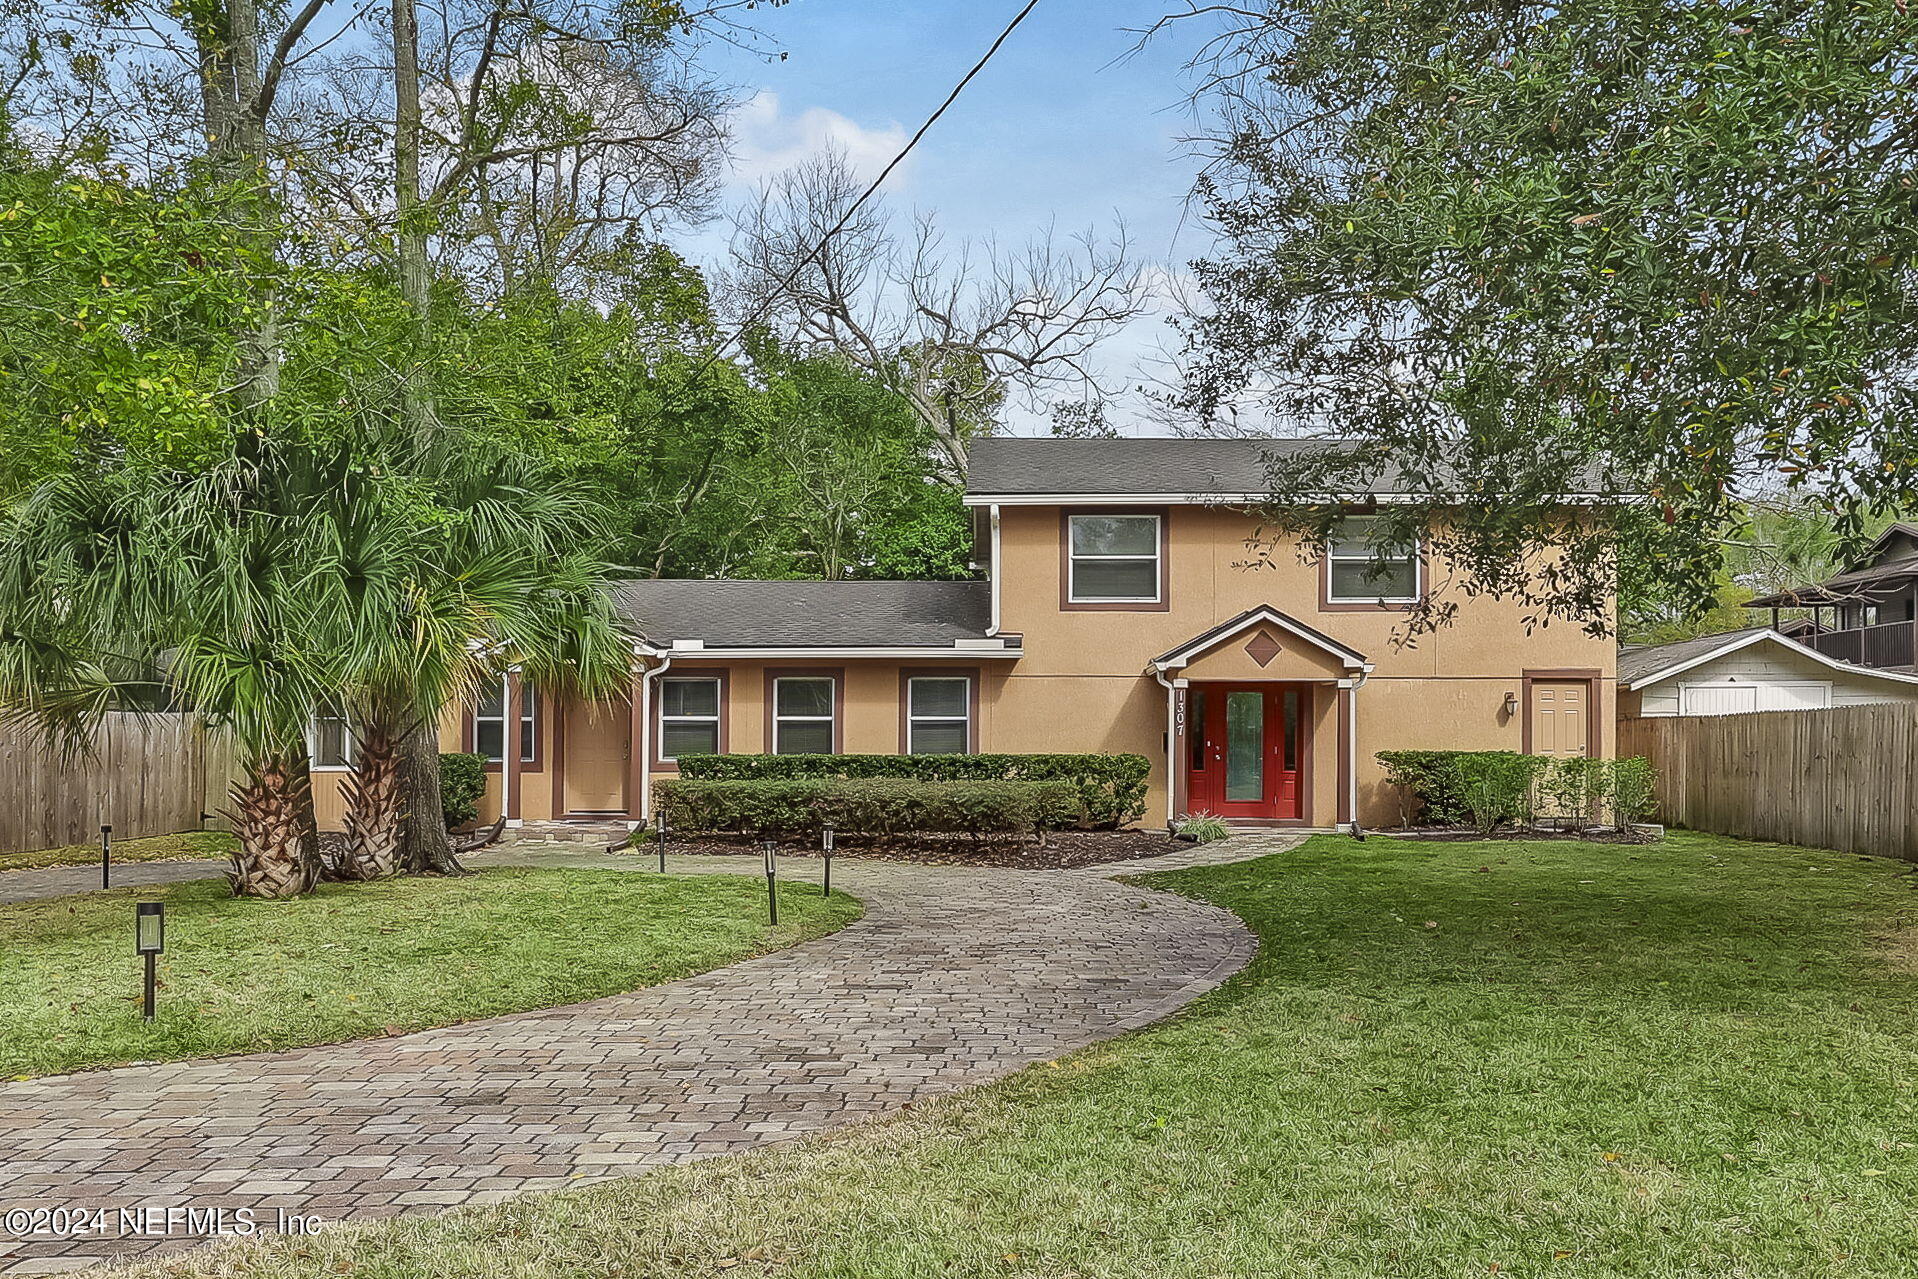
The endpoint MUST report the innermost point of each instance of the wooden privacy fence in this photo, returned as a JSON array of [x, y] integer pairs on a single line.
[[146, 775], [1839, 778]]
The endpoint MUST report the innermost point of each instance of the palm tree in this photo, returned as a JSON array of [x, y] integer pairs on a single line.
[[290, 575], [507, 575]]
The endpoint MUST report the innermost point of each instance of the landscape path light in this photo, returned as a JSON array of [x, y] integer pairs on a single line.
[[149, 942], [770, 850], [825, 846], [659, 821], [106, 856]]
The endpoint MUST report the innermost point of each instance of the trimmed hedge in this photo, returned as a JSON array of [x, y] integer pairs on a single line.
[[1111, 788], [1489, 788], [882, 807], [462, 782]]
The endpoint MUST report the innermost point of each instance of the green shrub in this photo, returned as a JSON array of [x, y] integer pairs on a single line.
[[1488, 788], [1634, 789], [1111, 788], [1574, 790], [462, 782], [881, 807], [1201, 828], [1432, 784]]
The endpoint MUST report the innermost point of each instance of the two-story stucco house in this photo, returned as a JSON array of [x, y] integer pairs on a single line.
[[1117, 614]]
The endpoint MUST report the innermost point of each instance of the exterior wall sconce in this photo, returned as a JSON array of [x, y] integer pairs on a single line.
[[1511, 704]]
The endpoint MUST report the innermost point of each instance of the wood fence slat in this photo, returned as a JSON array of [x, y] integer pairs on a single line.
[[144, 774], [1838, 778]]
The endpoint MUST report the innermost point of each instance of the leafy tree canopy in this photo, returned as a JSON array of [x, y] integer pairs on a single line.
[[1661, 253]]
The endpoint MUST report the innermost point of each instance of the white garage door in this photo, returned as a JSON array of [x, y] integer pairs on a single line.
[[1731, 699], [1717, 699]]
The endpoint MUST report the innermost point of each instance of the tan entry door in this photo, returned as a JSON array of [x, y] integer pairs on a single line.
[[1561, 725], [595, 748]]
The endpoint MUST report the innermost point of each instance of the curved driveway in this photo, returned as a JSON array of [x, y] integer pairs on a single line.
[[954, 977]]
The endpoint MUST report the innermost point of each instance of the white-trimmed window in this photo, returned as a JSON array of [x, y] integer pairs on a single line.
[[938, 714], [489, 724], [330, 740], [688, 716], [1359, 570], [1114, 559], [803, 711]]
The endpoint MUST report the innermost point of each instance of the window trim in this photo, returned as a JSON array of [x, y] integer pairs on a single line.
[[469, 728], [971, 674], [835, 673], [658, 725], [313, 743], [1068, 602], [1330, 603]]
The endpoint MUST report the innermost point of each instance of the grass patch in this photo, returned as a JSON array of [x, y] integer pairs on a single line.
[[190, 845], [354, 960], [1448, 1059]]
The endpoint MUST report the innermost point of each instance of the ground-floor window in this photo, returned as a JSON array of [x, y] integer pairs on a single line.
[[938, 714], [804, 711], [329, 740], [688, 716], [489, 723]]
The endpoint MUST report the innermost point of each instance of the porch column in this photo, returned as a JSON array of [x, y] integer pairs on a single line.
[[1348, 742], [1178, 698], [509, 752]]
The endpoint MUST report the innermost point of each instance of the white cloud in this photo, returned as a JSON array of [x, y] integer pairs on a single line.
[[766, 140]]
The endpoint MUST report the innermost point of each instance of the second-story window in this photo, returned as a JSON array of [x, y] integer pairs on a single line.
[[1114, 559], [1360, 569], [330, 741]]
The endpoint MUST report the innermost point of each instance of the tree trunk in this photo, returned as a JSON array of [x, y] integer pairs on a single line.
[[410, 231], [272, 816], [374, 805], [424, 846]]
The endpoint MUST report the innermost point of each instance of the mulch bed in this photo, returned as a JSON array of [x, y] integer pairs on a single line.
[[1062, 850]]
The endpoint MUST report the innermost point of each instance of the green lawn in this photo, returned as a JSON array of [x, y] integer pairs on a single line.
[[1556, 1059], [364, 959], [185, 846]]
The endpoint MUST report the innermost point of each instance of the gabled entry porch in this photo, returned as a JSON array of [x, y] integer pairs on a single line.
[[1259, 722]]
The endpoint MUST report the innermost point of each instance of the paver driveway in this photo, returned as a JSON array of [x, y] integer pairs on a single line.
[[954, 976]]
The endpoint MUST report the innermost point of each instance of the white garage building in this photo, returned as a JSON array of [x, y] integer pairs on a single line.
[[1750, 670]]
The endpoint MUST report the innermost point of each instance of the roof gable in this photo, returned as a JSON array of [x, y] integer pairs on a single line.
[[1642, 667], [1262, 615]]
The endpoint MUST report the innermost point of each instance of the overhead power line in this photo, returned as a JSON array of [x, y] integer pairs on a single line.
[[758, 312]]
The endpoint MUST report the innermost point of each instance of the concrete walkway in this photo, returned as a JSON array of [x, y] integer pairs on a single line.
[[64, 881], [954, 977]]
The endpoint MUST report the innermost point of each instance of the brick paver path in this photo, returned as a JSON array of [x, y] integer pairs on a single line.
[[953, 977]]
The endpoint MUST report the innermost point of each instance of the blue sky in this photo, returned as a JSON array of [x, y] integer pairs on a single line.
[[1065, 126]]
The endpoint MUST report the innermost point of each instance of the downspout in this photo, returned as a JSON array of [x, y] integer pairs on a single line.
[[645, 743], [992, 568], [1352, 748], [1171, 744]]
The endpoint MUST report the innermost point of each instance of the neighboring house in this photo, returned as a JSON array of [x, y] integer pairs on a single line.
[[1751, 670], [1120, 613], [1867, 614]]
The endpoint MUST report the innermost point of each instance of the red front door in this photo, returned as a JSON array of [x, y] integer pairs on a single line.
[[1245, 750]]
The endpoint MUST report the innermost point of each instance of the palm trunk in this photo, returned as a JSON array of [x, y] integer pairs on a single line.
[[272, 816], [374, 806], [424, 846]]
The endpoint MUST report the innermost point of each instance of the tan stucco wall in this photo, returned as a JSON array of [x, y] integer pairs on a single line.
[[1082, 685], [1442, 690]]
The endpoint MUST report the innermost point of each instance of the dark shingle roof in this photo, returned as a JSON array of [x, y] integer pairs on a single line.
[[742, 614], [1014, 465], [1637, 663]]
